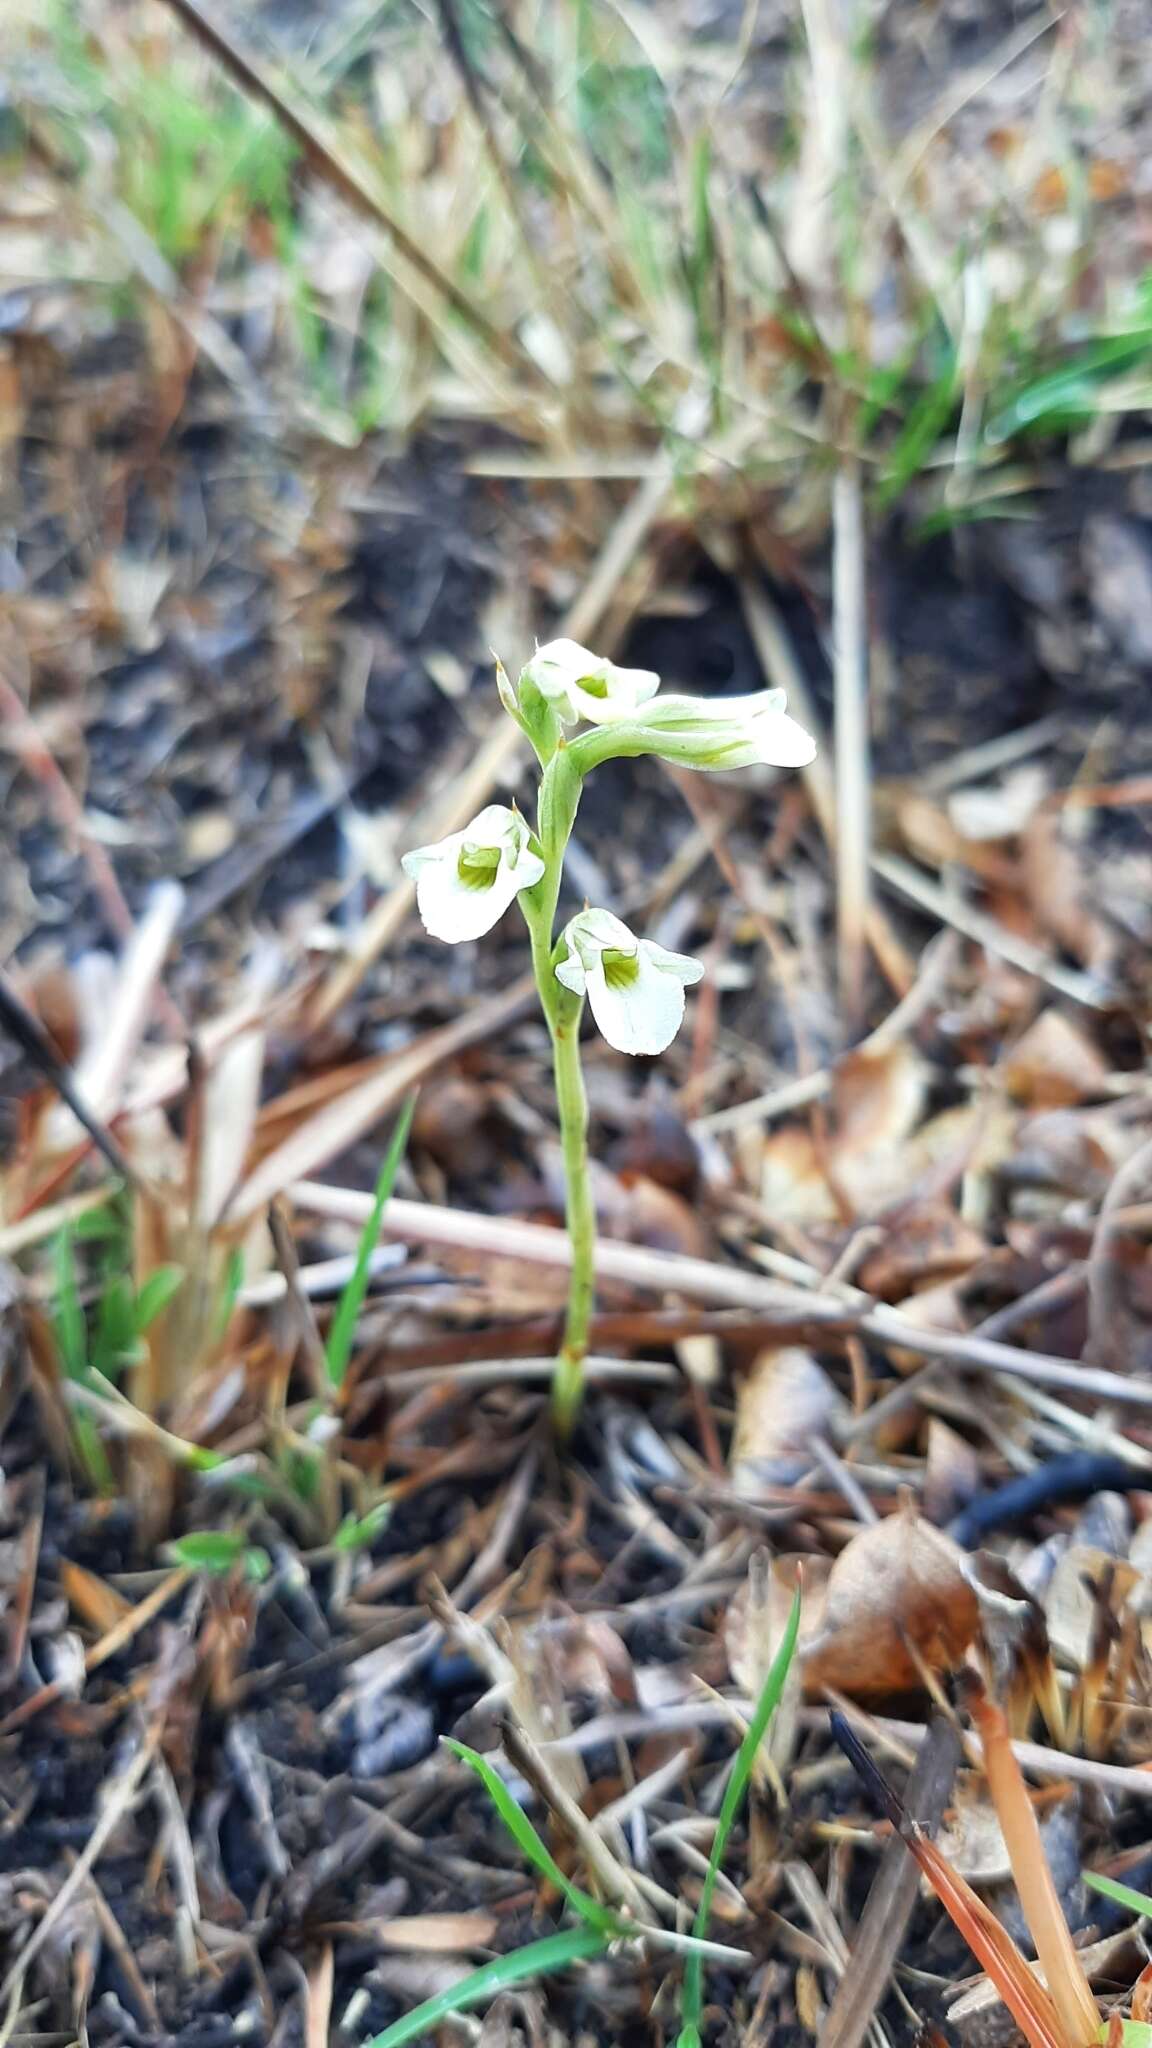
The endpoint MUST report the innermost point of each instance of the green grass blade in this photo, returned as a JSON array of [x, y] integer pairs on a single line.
[[692, 1990], [1121, 1894], [1068, 394], [67, 1314], [538, 1959], [158, 1290], [232, 1283], [341, 1336], [525, 1836]]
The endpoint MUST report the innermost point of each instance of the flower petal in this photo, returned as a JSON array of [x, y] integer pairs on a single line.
[[494, 824], [625, 690], [580, 684], [455, 910], [454, 906], [780, 742], [642, 1017], [571, 973], [591, 930], [681, 965]]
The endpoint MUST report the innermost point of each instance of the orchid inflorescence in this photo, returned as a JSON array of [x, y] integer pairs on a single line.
[[634, 987]]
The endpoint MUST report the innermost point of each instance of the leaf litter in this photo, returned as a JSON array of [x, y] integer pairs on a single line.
[[242, 1596]]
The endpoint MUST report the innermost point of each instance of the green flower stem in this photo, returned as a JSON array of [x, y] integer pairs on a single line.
[[559, 799], [572, 1103]]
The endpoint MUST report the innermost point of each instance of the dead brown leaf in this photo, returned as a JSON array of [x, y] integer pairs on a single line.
[[1054, 1064], [897, 1601], [781, 1404], [1055, 879], [931, 1244], [952, 1475]]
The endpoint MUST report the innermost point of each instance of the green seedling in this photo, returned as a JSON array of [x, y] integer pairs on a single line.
[[600, 1927], [342, 1334], [218, 1553], [96, 1356], [692, 1990], [304, 1459], [359, 1532]]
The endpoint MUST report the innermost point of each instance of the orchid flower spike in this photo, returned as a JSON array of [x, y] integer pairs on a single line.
[[635, 987], [466, 882], [582, 685]]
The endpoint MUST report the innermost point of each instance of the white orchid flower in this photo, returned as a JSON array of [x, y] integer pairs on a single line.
[[635, 988], [710, 733], [579, 684], [465, 883]]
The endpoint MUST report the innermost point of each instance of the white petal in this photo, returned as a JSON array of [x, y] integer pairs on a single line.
[[782, 743], [567, 655], [526, 869], [645, 1016], [493, 825], [453, 910], [628, 688], [421, 857], [591, 930], [681, 965], [561, 669], [571, 973]]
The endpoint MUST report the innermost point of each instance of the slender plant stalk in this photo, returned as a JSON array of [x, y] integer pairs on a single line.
[[559, 799], [572, 1102]]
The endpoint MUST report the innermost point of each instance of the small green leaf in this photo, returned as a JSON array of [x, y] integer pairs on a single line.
[[524, 1834], [300, 1468], [356, 1532], [692, 1990], [342, 1334], [538, 1959], [1122, 1894], [97, 1226], [209, 1550], [156, 1293]]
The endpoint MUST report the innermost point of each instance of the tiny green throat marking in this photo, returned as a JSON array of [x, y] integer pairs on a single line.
[[620, 969], [477, 865]]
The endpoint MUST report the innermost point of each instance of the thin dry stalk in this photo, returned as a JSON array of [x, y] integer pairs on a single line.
[[26, 1031], [918, 887], [1055, 1948], [853, 758], [892, 1898], [936, 966], [667, 1272], [327, 158], [346, 1117], [1029, 2003], [103, 1067], [782, 670]]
